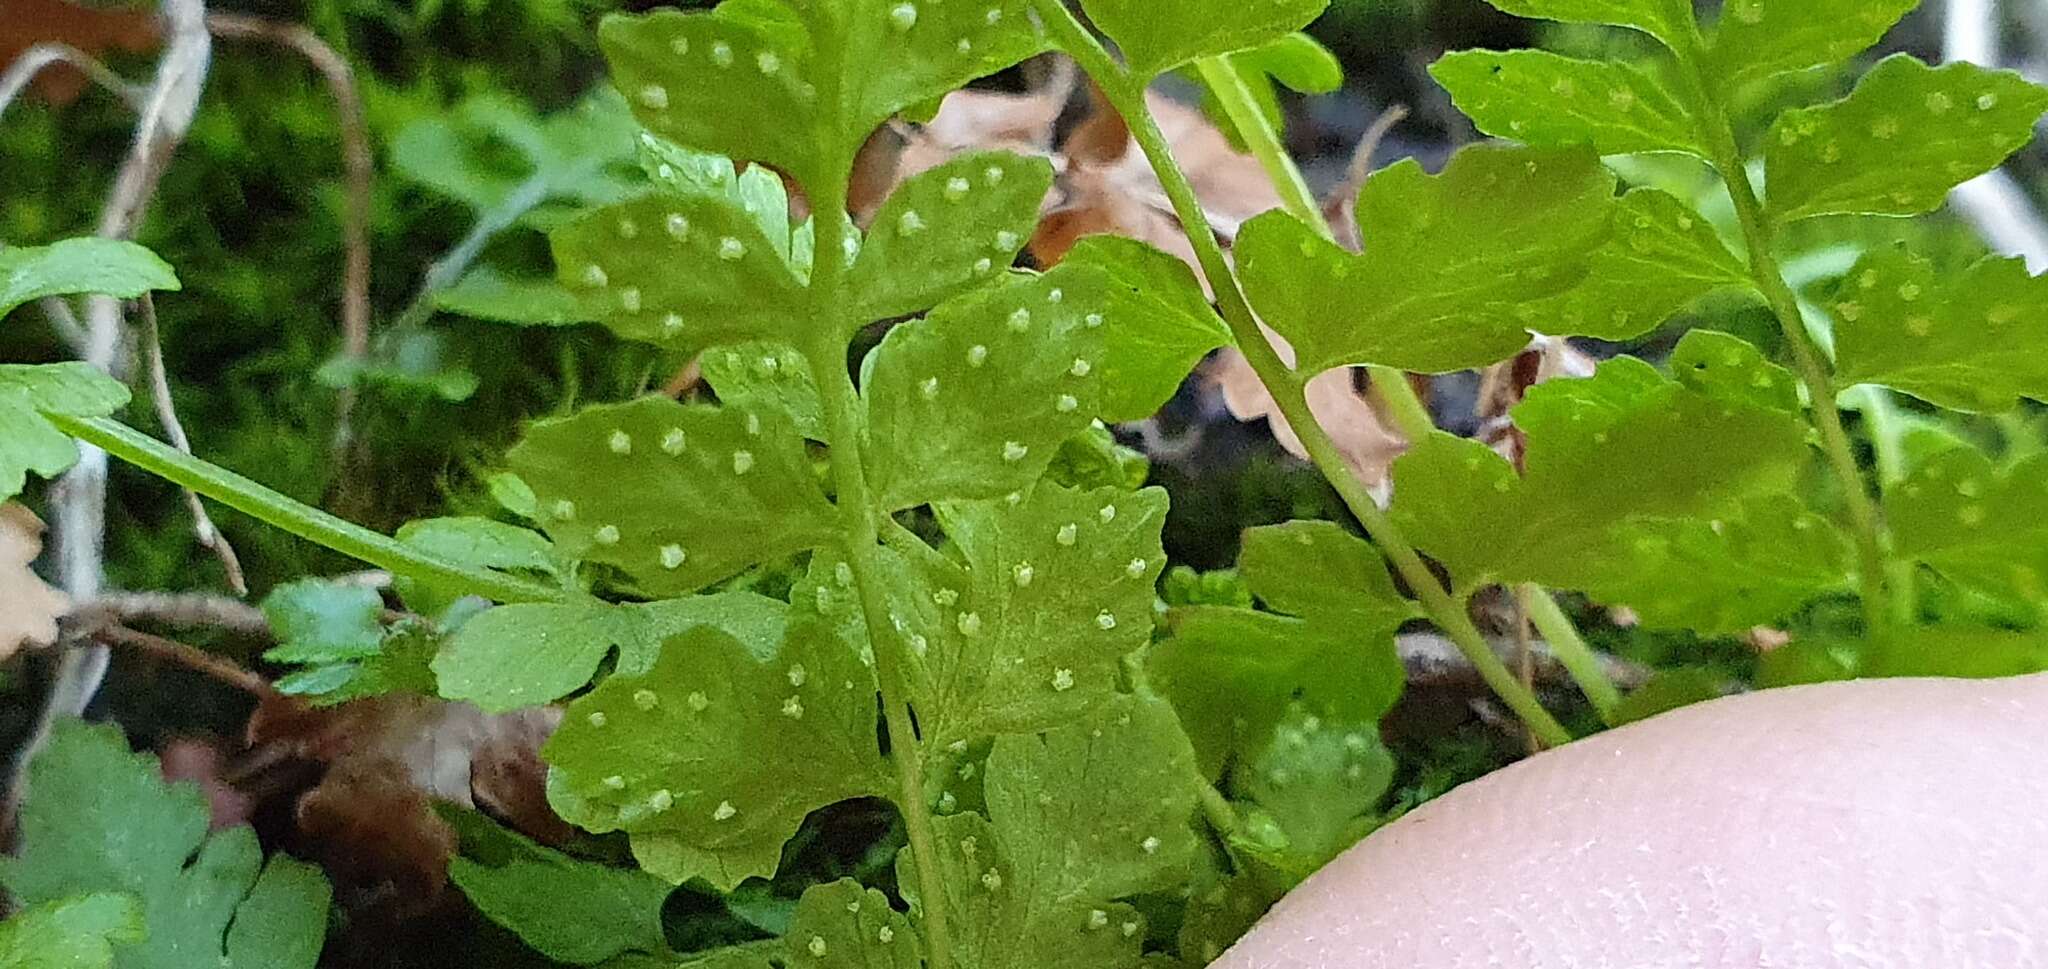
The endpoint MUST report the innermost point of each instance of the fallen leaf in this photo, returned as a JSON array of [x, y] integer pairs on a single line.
[[1504, 384], [1107, 185], [967, 121], [1339, 403], [203, 763], [29, 609], [370, 819]]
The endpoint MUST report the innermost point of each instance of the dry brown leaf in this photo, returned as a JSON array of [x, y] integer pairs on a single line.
[[29, 609], [203, 763], [379, 839], [1764, 639], [1504, 384], [1369, 444], [371, 820], [26, 23], [1108, 187], [966, 121]]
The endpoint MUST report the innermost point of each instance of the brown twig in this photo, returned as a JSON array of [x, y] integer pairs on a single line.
[[358, 167], [203, 527], [191, 657], [1342, 199], [78, 501], [33, 60], [180, 609]]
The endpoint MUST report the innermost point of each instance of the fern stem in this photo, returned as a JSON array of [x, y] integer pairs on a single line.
[[1126, 94], [1759, 234], [1571, 651], [847, 417], [1390, 386], [1888, 449], [312, 524], [1235, 97]]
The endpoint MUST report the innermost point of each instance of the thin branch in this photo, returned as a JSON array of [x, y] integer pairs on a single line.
[[64, 320], [1368, 145], [78, 500], [358, 167], [36, 58], [167, 413], [187, 610], [191, 657]]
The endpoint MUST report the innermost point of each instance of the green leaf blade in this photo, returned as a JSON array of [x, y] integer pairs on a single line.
[[1662, 258], [1318, 784], [804, 65], [682, 72], [1457, 500], [1318, 570], [1454, 266], [526, 654], [567, 909], [1029, 632], [1727, 575], [1153, 45], [1233, 673], [763, 377], [1760, 39], [106, 267], [1159, 324], [1601, 453], [488, 294], [1979, 526], [102, 819], [841, 925], [679, 496], [1670, 21], [29, 443], [1547, 100], [673, 756], [679, 271], [1032, 345], [79, 932], [1970, 340], [947, 230], [1897, 144], [1038, 883], [1729, 368]]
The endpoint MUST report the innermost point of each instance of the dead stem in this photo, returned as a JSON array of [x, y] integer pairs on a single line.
[[203, 527], [358, 166]]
